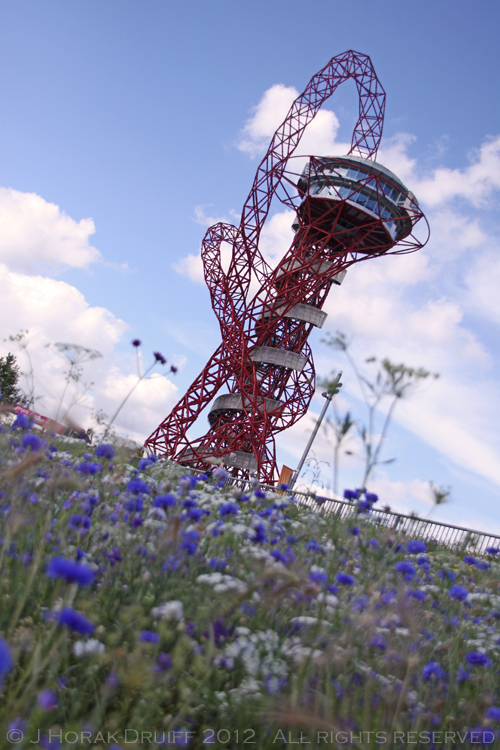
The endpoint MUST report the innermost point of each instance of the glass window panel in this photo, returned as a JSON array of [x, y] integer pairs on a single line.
[[352, 173], [387, 189], [372, 205]]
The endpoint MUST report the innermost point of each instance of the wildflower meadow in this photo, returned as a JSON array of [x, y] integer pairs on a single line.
[[144, 607]]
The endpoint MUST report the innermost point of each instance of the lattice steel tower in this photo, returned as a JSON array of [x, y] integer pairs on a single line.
[[348, 209]]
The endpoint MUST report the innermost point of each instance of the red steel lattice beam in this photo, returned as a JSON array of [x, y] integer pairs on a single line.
[[347, 209]]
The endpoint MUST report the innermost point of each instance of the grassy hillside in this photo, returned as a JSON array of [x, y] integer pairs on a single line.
[[144, 608]]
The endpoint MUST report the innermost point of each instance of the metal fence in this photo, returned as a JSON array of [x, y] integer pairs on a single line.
[[454, 537]]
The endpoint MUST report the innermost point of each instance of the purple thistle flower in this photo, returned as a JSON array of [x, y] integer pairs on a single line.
[[6, 662], [148, 636], [476, 658], [137, 486], [415, 547], [136, 342], [105, 450], [173, 369], [433, 669], [458, 592], [75, 621], [159, 358], [344, 579], [47, 700], [71, 571]]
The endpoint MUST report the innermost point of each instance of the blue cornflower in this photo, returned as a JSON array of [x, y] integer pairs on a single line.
[[88, 468], [462, 674], [371, 497], [32, 441], [480, 736], [149, 636], [318, 576], [415, 546], [137, 486], [433, 669], [164, 501], [164, 662], [363, 506], [417, 594], [47, 700], [75, 621], [477, 658], [405, 567], [260, 494], [493, 713], [458, 592], [217, 564], [354, 531], [221, 474], [78, 521], [492, 550], [283, 486], [144, 463], [105, 450], [71, 571], [377, 641], [228, 509], [6, 662], [446, 574], [195, 514], [470, 560], [351, 494], [22, 422], [344, 579], [259, 534]]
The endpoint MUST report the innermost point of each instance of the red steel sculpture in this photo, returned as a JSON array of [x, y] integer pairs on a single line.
[[347, 209]]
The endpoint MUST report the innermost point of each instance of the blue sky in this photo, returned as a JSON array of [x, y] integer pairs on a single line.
[[123, 130]]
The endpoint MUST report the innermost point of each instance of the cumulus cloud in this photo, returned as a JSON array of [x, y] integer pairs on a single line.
[[38, 236]]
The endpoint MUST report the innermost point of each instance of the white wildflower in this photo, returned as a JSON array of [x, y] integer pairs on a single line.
[[172, 610], [85, 648]]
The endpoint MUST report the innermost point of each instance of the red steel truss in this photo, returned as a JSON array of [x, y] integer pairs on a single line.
[[347, 209]]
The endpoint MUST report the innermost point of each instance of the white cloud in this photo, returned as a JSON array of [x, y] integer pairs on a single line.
[[36, 235], [318, 138], [192, 267]]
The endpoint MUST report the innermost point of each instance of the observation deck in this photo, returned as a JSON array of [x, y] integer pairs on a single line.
[[366, 205]]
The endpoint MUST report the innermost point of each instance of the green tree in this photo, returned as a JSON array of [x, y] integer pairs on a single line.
[[9, 376]]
